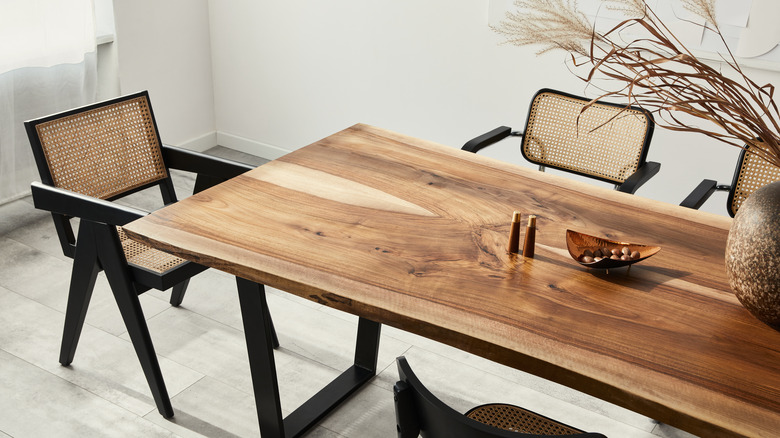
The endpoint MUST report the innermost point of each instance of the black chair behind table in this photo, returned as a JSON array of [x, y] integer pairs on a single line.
[[606, 141], [419, 412], [87, 158], [751, 173]]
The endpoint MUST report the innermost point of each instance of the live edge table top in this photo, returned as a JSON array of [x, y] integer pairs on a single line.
[[413, 234]]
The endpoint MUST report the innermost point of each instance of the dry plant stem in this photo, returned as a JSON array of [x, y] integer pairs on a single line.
[[655, 70]]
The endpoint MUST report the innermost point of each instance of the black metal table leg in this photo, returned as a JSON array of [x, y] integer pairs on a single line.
[[329, 397], [259, 345], [367, 344], [259, 337]]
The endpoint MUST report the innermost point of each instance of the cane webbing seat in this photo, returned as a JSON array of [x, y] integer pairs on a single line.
[[419, 412], [596, 139], [146, 257], [602, 141], [751, 173], [517, 419]]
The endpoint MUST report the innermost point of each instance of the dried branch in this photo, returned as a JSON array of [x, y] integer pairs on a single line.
[[654, 70]]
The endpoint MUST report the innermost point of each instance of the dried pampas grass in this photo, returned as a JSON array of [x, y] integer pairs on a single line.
[[655, 70]]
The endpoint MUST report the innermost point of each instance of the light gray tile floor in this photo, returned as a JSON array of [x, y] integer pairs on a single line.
[[203, 356]]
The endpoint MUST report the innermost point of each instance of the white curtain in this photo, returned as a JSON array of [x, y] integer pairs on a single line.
[[48, 63]]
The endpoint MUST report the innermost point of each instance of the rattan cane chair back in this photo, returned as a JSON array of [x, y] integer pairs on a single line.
[[104, 152], [751, 174], [605, 141]]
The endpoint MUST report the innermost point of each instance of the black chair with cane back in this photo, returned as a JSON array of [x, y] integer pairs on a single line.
[[87, 158], [419, 412], [596, 139], [751, 173]]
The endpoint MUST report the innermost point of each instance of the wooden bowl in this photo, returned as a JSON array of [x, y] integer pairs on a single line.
[[577, 243]]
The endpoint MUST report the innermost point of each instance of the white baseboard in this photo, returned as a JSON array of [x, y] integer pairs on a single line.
[[218, 138], [202, 143], [262, 150]]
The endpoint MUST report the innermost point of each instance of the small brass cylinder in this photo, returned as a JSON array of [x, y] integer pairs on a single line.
[[530, 237], [514, 234]]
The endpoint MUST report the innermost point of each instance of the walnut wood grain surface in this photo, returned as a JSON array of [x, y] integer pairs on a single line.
[[413, 234]]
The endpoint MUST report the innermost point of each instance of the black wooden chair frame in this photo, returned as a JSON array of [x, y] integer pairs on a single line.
[[98, 246], [707, 187], [419, 411]]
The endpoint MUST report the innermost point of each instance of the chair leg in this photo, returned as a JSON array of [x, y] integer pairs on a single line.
[[114, 264], [82, 283], [177, 295]]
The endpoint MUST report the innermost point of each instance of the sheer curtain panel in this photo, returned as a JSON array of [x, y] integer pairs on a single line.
[[48, 63]]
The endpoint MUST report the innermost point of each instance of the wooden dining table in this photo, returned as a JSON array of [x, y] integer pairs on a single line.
[[413, 234]]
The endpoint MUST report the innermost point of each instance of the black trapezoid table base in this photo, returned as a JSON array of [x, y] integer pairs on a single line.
[[259, 340]]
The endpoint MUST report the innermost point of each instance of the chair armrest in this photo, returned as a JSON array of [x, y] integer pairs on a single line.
[[700, 194], [485, 140], [641, 176], [196, 162], [66, 202], [210, 170]]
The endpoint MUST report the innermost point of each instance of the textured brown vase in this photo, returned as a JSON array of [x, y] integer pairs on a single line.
[[753, 254]]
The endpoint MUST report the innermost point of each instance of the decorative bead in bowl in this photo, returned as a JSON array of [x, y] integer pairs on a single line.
[[590, 251]]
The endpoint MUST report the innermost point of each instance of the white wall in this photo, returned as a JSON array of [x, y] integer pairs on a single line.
[[289, 73], [164, 47], [272, 76]]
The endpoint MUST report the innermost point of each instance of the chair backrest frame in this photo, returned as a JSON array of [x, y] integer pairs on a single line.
[[751, 173], [419, 411], [40, 142], [614, 177]]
